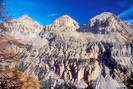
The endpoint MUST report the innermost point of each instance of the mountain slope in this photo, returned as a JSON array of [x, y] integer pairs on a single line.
[[99, 58], [64, 23], [114, 39], [24, 28]]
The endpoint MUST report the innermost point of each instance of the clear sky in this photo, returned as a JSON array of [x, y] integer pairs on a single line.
[[46, 11]]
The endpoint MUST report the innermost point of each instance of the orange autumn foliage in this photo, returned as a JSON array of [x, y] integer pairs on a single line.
[[6, 52], [14, 79], [10, 77]]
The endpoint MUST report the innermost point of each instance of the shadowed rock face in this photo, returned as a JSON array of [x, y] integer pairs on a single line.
[[99, 58]]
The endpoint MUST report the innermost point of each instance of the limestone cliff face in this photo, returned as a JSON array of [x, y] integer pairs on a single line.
[[107, 23], [113, 41], [64, 23], [65, 55], [99, 58], [24, 28]]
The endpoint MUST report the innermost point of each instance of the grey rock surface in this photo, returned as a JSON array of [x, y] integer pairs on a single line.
[[98, 56]]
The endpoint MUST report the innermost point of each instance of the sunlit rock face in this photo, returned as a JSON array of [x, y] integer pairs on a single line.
[[64, 24], [107, 23], [24, 28], [65, 54], [113, 41], [57, 53]]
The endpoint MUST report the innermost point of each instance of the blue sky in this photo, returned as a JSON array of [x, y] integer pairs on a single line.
[[46, 11]]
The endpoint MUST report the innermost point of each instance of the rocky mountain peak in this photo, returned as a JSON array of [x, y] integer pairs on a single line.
[[109, 28], [79, 60], [104, 23], [67, 21], [64, 18], [104, 16], [25, 17], [64, 23], [24, 27]]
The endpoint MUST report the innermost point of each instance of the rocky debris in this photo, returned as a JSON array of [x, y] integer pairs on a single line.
[[107, 83], [63, 57]]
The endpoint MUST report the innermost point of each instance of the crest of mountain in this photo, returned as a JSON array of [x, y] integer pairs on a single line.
[[109, 28], [64, 23], [73, 59], [24, 28], [27, 19], [106, 23]]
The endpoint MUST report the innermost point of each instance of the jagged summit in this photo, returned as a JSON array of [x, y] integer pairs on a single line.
[[65, 17], [106, 23], [64, 23], [66, 20], [105, 15], [104, 19], [109, 28], [101, 59], [25, 17], [24, 27]]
